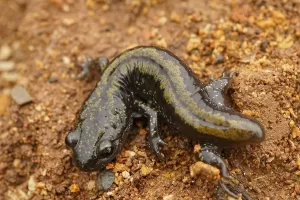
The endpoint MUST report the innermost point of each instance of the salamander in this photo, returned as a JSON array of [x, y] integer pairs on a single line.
[[153, 83]]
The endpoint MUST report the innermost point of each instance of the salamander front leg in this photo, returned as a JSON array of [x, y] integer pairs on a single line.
[[154, 138], [100, 62], [209, 155]]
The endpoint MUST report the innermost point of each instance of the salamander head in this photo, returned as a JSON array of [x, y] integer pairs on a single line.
[[93, 147]]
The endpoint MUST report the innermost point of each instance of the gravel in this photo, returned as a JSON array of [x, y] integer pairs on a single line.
[[6, 66], [105, 180], [52, 80], [5, 52], [20, 95]]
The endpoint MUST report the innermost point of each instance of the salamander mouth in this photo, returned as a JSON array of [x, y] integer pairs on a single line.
[[95, 163]]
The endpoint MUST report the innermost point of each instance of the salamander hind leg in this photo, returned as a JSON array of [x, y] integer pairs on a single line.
[[215, 93], [223, 82], [154, 137], [100, 62], [209, 155]]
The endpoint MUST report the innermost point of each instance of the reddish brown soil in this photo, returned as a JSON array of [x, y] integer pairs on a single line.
[[259, 39]]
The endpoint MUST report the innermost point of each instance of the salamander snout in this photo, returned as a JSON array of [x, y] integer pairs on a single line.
[[72, 138], [93, 157]]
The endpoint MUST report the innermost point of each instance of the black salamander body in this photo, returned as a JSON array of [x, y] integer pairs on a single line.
[[152, 82]]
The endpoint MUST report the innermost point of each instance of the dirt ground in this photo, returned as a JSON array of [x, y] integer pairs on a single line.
[[43, 39]]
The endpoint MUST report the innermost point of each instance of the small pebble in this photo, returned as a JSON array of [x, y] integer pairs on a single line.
[[46, 119], [74, 188], [296, 132], [120, 167], [248, 58], [142, 131], [286, 43], [162, 20], [5, 52], [193, 43], [109, 194], [52, 80], [219, 59], [20, 95], [270, 159], [175, 17], [204, 171], [129, 154], [16, 163], [31, 184], [68, 21], [168, 197], [278, 16], [131, 30], [145, 170], [265, 23], [41, 185], [4, 99], [90, 4], [66, 60], [91, 185], [11, 76], [126, 174], [66, 8], [218, 34], [6, 66], [161, 42], [105, 180]]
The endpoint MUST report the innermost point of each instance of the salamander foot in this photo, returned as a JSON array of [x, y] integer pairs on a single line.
[[155, 143], [209, 155]]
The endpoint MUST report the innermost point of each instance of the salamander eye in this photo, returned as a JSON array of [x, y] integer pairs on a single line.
[[105, 148]]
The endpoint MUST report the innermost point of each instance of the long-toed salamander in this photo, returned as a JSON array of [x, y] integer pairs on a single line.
[[154, 83]]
